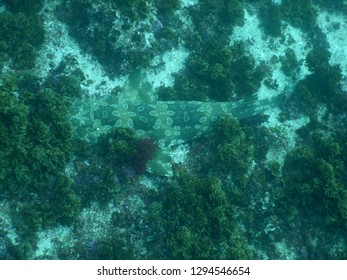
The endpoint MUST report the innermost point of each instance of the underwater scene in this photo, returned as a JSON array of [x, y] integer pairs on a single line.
[[173, 129]]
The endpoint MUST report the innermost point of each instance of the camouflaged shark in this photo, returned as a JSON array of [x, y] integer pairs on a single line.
[[169, 123]]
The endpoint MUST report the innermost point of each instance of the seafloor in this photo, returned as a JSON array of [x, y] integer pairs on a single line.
[[168, 129]]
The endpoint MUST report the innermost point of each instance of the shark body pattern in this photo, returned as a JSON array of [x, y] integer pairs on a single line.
[[169, 123]]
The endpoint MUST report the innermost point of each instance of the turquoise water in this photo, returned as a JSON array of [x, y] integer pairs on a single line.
[[173, 129]]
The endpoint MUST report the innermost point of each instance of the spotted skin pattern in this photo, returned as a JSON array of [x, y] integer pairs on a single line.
[[167, 122]]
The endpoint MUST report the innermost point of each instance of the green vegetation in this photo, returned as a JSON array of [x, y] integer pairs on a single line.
[[300, 14], [320, 87], [28, 7], [192, 219], [118, 158], [216, 17], [184, 89], [232, 198], [339, 6], [289, 62], [121, 45], [134, 9], [112, 247], [314, 184], [314, 194], [270, 16], [167, 7], [20, 36], [233, 151], [66, 79], [36, 145], [97, 32], [216, 71], [189, 216], [121, 146]]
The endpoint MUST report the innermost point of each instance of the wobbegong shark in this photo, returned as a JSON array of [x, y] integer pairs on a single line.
[[169, 123]]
